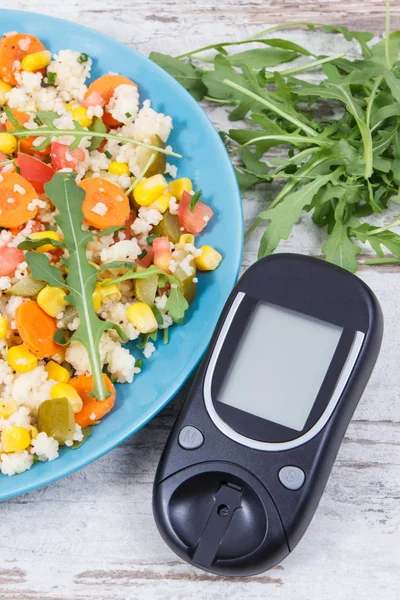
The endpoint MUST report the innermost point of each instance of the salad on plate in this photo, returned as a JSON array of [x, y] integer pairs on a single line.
[[97, 245]]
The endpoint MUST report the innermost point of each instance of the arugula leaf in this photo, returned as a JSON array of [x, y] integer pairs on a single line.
[[28, 244], [339, 249], [177, 304], [187, 75], [262, 58], [67, 197], [87, 432], [283, 216], [99, 127]]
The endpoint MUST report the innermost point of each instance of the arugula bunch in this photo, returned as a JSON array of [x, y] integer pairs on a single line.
[[81, 278], [341, 136]]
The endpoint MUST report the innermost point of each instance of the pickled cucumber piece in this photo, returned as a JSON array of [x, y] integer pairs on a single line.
[[146, 289], [56, 418], [160, 161], [186, 282], [169, 226], [27, 287]]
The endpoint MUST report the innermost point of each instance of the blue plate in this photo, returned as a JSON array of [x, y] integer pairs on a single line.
[[206, 162]]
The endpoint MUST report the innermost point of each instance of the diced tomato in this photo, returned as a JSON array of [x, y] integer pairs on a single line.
[[128, 231], [34, 170], [56, 254], [94, 99], [162, 253], [64, 158], [9, 260], [147, 260], [194, 220]]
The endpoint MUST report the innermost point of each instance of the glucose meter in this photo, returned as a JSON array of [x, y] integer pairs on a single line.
[[249, 456]]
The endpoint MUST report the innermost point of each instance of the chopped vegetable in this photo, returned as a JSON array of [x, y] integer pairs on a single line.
[[13, 48], [36, 329], [21, 359], [26, 287], [17, 118], [103, 201], [62, 157], [105, 87], [56, 419], [9, 260], [91, 407], [168, 227], [162, 253], [34, 170], [22, 208], [193, 220]]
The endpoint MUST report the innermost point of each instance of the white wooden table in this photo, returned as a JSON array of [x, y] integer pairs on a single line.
[[92, 535]]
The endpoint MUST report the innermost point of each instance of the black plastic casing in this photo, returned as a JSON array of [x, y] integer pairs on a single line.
[[272, 519]]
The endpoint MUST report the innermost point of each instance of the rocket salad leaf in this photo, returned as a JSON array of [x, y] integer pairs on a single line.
[[80, 282]]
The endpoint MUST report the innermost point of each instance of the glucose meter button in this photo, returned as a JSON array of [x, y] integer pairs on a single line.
[[190, 438], [292, 477]]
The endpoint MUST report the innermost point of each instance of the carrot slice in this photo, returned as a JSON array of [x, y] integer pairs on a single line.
[[36, 329], [105, 203], [92, 407], [105, 86], [13, 48], [26, 144], [16, 188]]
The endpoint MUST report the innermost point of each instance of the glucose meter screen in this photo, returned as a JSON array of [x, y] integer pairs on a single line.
[[279, 365]]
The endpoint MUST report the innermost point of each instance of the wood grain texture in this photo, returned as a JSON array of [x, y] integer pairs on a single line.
[[92, 535]]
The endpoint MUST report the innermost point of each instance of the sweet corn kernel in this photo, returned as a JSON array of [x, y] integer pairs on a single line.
[[57, 372], [36, 61], [142, 317], [186, 238], [7, 408], [15, 439], [162, 202], [8, 143], [118, 168], [33, 431], [51, 300], [64, 390], [80, 115], [109, 290], [40, 235], [208, 260], [97, 297], [148, 190], [179, 186], [21, 359], [4, 89], [3, 328], [71, 105]]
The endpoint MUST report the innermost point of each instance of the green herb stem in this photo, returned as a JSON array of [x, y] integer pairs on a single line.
[[387, 36], [382, 261], [308, 130], [371, 99], [82, 134], [7, 162], [141, 175], [307, 67], [285, 139]]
